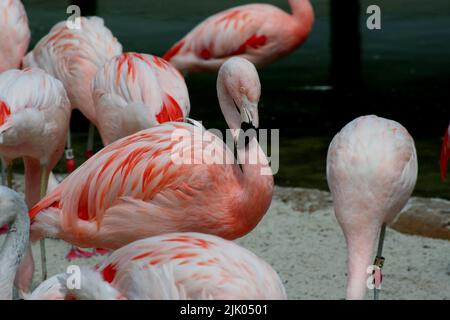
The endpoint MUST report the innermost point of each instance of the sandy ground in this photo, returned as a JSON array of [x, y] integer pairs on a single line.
[[300, 238]]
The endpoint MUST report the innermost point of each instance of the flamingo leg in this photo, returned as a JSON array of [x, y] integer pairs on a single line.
[[3, 172], [379, 258], [69, 140], [90, 142], [43, 190], [70, 162], [6, 178], [4, 229], [70, 165], [9, 175]]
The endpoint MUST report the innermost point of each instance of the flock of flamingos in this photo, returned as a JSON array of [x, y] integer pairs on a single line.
[[166, 227]]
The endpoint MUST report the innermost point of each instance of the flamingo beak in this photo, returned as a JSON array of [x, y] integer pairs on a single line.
[[445, 155], [249, 112]]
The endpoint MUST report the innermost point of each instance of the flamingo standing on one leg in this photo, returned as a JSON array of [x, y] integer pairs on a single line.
[[33, 125], [371, 172], [261, 33], [74, 57], [135, 187], [14, 41], [133, 92], [14, 35]]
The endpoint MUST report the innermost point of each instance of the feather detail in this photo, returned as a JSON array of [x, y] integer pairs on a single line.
[[15, 34], [261, 33], [74, 56], [133, 92]]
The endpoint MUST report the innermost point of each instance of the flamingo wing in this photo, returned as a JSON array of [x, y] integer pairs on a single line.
[[43, 92], [99, 182], [190, 266], [126, 97], [28, 118], [140, 91], [173, 267], [138, 176], [74, 56], [235, 31], [174, 87]]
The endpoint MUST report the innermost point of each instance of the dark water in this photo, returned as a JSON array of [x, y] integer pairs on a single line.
[[405, 76]]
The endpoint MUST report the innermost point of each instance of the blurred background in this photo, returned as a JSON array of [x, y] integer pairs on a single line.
[[344, 70]]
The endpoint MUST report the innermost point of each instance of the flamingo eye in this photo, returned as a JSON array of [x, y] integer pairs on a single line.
[[243, 90]]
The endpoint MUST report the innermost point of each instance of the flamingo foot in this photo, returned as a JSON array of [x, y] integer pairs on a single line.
[[101, 251], [4, 229], [77, 253]]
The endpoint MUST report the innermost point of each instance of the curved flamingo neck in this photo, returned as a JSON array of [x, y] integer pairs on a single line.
[[256, 186], [303, 12], [360, 257], [256, 179], [231, 115], [13, 250]]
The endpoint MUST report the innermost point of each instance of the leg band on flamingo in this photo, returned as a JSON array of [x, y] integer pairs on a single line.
[[379, 262], [70, 161]]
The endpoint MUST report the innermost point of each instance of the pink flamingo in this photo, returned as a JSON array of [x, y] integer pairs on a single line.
[[33, 125], [371, 172], [260, 33], [133, 92], [171, 267], [14, 41], [14, 35], [132, 188], [445, 153], [74, 57]]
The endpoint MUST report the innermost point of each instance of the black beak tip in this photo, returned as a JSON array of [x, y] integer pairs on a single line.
[[246, 126]]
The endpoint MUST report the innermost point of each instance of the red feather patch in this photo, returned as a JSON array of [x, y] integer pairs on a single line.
[[173, 51], [252, 42], [205, 54], [109, 272], [4, 112], [170, 111]]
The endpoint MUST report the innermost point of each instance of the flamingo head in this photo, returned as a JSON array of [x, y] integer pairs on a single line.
[[445, 153], [239, 91]]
